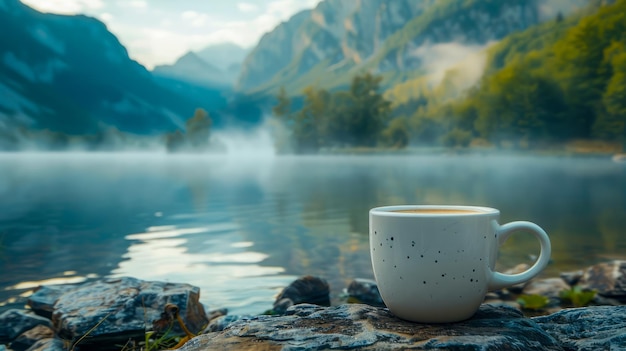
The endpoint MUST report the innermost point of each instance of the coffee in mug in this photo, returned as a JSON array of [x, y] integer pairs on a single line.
[[435, 264]]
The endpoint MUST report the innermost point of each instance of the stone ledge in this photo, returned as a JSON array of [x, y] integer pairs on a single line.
[[140, 306], [364, 327]]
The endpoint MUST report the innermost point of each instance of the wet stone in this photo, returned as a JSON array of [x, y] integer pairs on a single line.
[[608, 279], [365, 291], [307, 289], [14, 322], [43, 299], [30, 337], [48, 345], [211, 315], [550, 287], [222, 322], [516, 270], [364, 327], [122, 309], [590, 328], [572, 278]]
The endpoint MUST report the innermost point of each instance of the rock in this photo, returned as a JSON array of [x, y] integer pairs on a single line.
[[517, 288], [121, 309], [364, 327], [550, 287], [221, 323], [30, 337], [572, 278], [365, 291], [44, 297], [49, 345], [211, 315], [608, 279], [14, 322], [589, 328], [494, 299], [307, 289]]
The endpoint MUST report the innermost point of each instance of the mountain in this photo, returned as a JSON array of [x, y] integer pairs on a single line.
[[191, 68], [559, 81], [216, 65], [326, 46], [69, 74], [224, 56]]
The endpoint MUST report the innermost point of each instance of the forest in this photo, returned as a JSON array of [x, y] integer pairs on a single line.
[[559, 81]]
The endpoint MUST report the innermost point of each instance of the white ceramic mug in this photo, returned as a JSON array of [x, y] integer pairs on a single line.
[[434, 264]]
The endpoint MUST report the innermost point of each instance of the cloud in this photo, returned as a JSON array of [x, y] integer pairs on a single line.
[[139, 4], [283, 9], [160, 32], [247, 7], [68, 7], [106, 17], [195, 19], [270, 16], [156, 46]]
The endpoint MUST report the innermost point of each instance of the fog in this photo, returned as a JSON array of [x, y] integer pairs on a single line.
[[468, 61], [256, 142], [241, 228]]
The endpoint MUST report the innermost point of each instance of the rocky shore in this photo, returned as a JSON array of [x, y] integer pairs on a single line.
[[131, 314]]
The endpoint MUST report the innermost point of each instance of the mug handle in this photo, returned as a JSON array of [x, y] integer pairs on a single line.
[[501, 280]]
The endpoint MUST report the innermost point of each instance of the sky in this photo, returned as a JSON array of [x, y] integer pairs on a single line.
[[160, 31]]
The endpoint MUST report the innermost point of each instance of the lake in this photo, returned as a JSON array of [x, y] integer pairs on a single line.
[[243, 227]]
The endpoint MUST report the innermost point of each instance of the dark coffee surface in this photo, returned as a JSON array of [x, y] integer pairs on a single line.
[[438, 211]]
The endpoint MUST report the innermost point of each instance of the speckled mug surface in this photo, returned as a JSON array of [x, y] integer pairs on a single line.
[[434, 264]]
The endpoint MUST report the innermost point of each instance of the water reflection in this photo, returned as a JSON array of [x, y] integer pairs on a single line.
[[243, 228]]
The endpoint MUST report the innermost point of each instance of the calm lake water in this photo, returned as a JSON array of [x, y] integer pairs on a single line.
[[242, 228]]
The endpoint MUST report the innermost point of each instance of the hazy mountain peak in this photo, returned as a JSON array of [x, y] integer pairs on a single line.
[[223, 55], [217, 64], [193, 59]]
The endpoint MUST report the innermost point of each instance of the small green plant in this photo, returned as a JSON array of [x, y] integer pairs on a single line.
[[577, 296], [533, 302], [164, 341]]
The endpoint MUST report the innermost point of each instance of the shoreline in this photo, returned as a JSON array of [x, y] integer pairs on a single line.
[[110, 311]]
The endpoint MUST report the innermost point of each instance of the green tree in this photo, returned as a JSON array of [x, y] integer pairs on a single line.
[[355, 117], [611, 124], [336, 128], [196, 136], [582, 65], [175, 141], [370, 111], [397, 133], [283, 105], [457, 137], [198, 129], [310, 121], [518, 105]]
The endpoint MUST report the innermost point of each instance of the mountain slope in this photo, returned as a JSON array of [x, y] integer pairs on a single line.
[[224, 56], [190, 67], [328, 45], [215, 65], [70, 74], [555, 82], [566, 79]]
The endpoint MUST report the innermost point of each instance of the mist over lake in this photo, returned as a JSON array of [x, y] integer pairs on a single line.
[[242, 227]]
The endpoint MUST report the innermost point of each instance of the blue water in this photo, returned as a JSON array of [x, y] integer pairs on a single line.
[[241, 228]]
